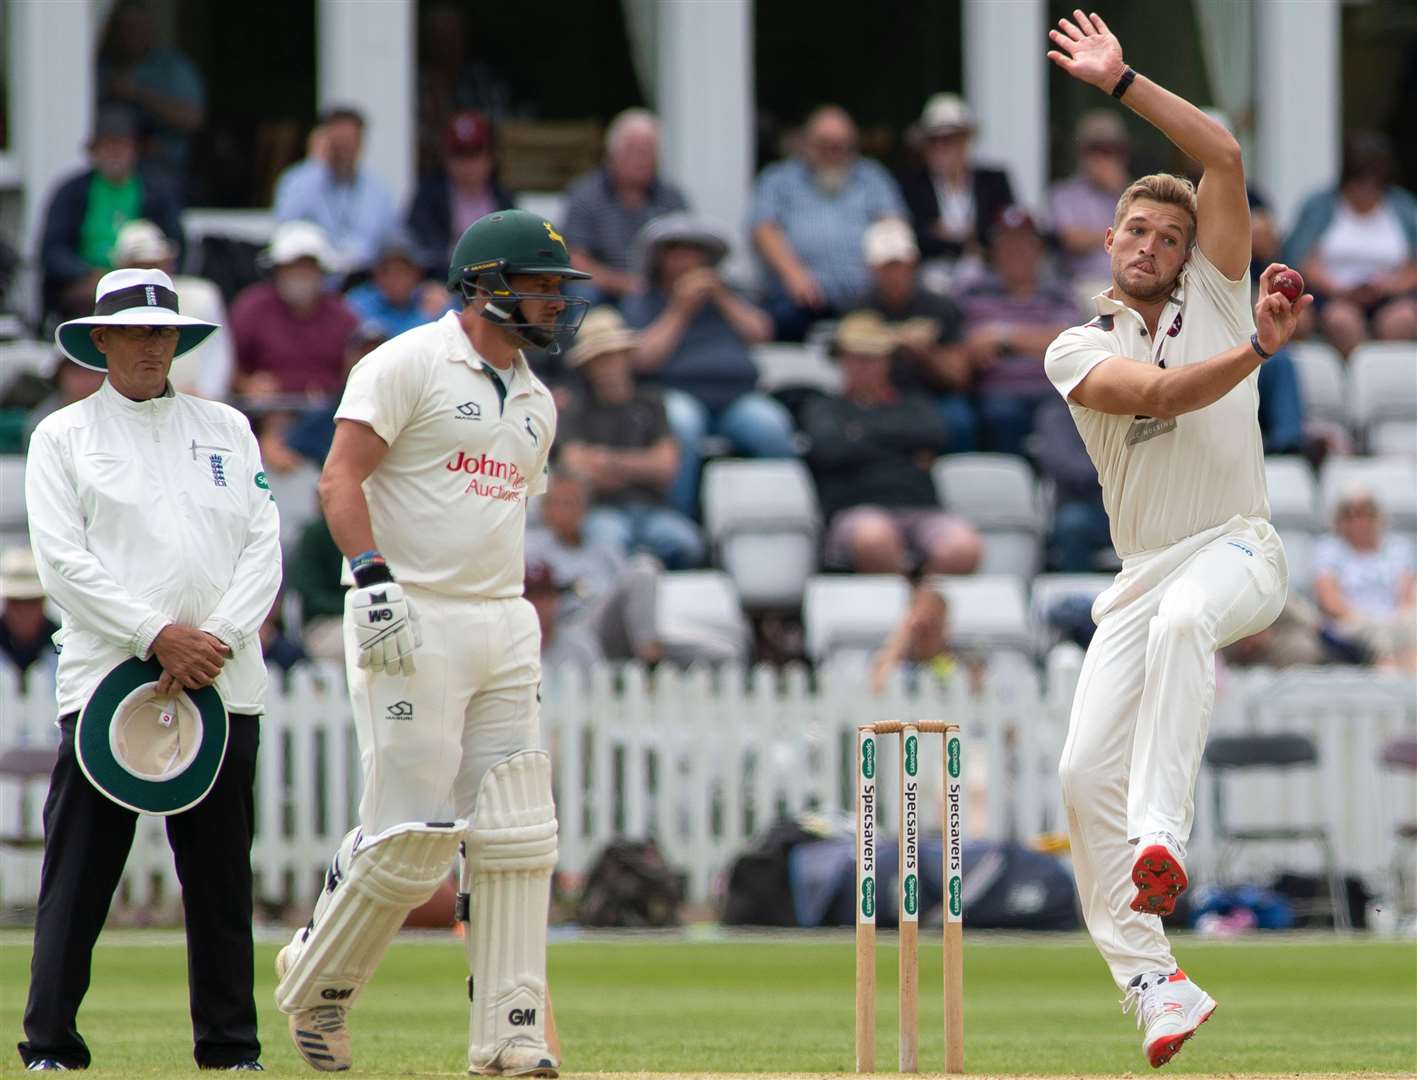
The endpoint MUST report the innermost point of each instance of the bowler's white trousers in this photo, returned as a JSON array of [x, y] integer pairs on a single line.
[[1142, 709], [426, 739]]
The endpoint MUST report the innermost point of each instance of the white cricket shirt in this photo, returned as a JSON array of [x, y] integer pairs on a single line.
[[448, 501], [143, 513], [1165, 480]]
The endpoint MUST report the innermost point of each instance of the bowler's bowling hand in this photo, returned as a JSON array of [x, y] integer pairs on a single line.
[[385, 628], [1087, 50]]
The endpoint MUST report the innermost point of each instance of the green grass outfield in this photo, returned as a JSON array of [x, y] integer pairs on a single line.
[[707, 1002]]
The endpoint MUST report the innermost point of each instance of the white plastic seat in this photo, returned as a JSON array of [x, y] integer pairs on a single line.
[[12, 494], [762, 518], [998, 494], [783, 364], [1382, 384], [1299, 554], [1393, 438], [25, 357], [1393, 480], [700, 608], [1293, 495], [987, 611], [1321, 380], [1047, 589], [857, 611]]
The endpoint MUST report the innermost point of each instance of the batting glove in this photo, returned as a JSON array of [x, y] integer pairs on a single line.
[[385, 628]]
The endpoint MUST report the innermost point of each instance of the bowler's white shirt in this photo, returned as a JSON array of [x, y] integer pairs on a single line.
[[1165, 480], [144, 513], [448, 501]]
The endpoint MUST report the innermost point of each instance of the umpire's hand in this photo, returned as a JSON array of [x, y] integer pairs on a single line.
[[385, 628], [189, 657]]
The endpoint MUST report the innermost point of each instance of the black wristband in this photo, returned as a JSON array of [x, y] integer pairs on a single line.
[[372, 574], [1125, 81], [1255, 344]]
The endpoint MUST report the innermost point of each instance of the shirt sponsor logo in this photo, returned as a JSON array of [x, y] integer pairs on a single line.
[[1242, 547], [1145, 428], [469, 410], [491, 478]]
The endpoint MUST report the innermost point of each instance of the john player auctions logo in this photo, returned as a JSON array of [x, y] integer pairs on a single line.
[[492, 479]]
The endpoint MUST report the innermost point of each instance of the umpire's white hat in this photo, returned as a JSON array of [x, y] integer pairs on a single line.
[[130, 298]]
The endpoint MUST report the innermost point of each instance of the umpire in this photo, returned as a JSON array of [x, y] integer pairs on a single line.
[[155, 533]]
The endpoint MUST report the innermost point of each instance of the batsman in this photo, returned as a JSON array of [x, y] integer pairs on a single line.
[[441, 436]]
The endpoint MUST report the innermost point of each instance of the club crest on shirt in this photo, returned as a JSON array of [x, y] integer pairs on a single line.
[[1145, 428], [1175, 326]]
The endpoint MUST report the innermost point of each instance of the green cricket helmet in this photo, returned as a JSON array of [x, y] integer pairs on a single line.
[[509, 242]]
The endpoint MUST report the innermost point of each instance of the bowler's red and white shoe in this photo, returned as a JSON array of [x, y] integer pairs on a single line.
[[1158, 874], [1170, 1007]]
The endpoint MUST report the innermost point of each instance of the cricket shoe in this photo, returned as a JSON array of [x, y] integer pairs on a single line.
[[319, 1033], [1170, 1007], [1158, 874], [516, 1058]]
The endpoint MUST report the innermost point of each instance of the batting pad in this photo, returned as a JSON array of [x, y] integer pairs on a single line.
[[511, 852], [374, 882]]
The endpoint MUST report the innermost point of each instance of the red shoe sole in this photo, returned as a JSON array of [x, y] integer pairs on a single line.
[[1159, 880], [1165, 1049]]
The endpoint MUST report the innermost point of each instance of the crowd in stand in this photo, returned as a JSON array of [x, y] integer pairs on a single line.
[[935, 293]]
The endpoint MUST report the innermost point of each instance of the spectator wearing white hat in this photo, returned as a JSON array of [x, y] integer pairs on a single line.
[[1081, 206], [206, 372], [617, 436], [334, 191], [929, 357], [26, 632], [291, 330], [952, 201]]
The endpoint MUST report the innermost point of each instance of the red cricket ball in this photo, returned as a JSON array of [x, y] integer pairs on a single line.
[[1289, 284]]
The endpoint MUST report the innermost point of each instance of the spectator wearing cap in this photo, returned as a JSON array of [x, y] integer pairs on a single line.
[[26, 632], [291, 330], [1012, 313], [397, 297], [86, 211], [870, 451], [162, 85], [563, 644], [930, 357], [1082, 206], [1365, 581], [808, 218], [206, 372], [338, 194], [462, 188], [608, 206], [617, 436], [603, 593], [952, 201], [695, 337]]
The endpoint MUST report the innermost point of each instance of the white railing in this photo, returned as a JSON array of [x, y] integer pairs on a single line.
[[705, 760]]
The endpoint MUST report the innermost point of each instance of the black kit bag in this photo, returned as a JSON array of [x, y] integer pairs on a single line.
[[631, 885]]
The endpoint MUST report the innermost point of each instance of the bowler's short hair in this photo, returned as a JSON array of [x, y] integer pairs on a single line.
[[1162, 188]]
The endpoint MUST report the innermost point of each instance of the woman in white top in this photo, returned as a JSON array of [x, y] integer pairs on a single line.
[[1357, 249]]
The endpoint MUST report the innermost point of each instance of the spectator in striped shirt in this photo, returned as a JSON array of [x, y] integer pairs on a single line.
[[608, 206], [1012, 314], [809, 218]]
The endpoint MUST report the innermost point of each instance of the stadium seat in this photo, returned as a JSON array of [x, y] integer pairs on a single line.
[[762, 518], [998, 493], [1392, 479], [1321, 380], [1293, 496], [858, 611], [24, 357], [1299, 554], [701, 607], [1393, 438], [296, 495], [987, 611], [12, 494], [548, 204], [1382, 385], [781, 365], [1046, 590]]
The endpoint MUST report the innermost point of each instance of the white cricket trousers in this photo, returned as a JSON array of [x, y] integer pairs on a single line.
[[1142, 709], [426, 739]]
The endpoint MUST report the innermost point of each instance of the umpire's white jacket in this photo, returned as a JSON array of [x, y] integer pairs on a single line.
[[143, 513]]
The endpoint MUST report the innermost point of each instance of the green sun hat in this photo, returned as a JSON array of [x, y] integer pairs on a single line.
[[155, 755]]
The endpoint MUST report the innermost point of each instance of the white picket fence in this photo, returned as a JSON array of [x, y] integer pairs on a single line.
[[704, 760]]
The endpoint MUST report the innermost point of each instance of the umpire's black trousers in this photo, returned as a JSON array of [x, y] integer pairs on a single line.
[[86, 842]]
